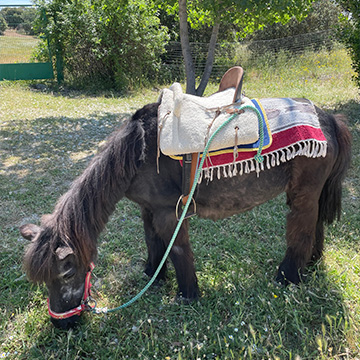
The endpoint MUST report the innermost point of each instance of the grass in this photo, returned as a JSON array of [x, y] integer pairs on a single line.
[[48, 140], [15, 48]]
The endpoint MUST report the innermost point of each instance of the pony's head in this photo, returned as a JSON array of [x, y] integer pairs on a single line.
[[51, 259]]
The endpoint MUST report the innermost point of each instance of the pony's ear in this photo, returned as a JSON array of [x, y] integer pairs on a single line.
[[63, 251], [29, 231]]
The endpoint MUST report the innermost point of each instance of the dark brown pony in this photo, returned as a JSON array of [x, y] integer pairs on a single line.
[[65, 243]]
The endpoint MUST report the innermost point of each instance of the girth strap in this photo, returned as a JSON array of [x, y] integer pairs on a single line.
[[188, 174]]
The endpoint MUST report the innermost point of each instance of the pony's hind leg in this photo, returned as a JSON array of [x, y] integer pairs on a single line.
[[155, 247], [304, 229], [300, 235], [319, 242]]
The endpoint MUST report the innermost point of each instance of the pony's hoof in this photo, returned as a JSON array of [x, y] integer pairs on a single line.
[[285, 278], [157, 282], [184, 300], [187, 299], [288, 272]]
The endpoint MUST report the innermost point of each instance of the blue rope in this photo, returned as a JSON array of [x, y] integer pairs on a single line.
[[258, 157]]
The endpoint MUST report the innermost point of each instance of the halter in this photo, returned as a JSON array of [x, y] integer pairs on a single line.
[[84, 305]]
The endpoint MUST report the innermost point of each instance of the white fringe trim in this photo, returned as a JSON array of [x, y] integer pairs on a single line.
[[309, 148]]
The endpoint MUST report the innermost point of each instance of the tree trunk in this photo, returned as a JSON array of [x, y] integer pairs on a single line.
[[185, 47], [209, 61]]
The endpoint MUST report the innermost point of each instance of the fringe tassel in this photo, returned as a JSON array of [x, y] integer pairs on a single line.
[[308, 148]]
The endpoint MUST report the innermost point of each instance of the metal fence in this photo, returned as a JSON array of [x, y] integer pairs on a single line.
[[229, 54]]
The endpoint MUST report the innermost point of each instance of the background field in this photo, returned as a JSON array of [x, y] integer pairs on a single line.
[[48, 137], [16, 48]]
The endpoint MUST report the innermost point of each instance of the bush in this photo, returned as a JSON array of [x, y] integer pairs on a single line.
[[28, 20], [3, 25], [349, 33], [106, 42]]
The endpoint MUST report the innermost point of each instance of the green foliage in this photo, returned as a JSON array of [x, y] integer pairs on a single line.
[[324, 15], [239, 18], [21, 19], [3, 25], [108, 42], [28, 19], [12, 16], [349, 32]]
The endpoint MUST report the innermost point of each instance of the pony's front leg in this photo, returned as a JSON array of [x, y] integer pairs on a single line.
[[155, 246], [181, 253]]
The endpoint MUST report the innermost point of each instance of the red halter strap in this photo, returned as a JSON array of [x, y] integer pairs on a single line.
[[84, 304]]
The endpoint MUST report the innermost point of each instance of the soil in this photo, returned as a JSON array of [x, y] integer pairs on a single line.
[[14, 33]]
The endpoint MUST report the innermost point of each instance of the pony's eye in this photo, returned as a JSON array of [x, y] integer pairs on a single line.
[[69, 273]]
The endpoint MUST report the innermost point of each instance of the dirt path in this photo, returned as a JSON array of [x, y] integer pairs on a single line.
[[14, 33]]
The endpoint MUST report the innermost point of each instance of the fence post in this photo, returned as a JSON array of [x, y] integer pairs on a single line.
[[58, 55], [59, 65]]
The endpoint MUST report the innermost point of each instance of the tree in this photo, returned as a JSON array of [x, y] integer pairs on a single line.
[[323, 15], [322, 18], [13, 16], [247, 15], [350, 32], [3, 25], [28, 20]]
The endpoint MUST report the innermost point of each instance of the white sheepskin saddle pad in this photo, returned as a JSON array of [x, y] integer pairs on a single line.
[[186, 122]]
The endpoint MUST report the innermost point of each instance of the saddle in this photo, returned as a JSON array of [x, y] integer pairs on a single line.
[[182, 109], [233, 78]]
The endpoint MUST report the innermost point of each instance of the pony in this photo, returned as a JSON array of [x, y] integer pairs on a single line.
[[64, 245]]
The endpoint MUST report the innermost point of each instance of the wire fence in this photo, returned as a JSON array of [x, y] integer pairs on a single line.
[[241, 53], [17, 47]]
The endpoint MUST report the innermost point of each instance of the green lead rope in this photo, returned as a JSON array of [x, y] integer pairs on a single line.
[[258, 157]]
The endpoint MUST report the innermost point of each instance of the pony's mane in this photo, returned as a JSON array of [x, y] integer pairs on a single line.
[[83, 211]]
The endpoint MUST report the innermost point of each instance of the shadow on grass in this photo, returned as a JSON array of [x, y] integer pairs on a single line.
[[241, 312], [40, 158]]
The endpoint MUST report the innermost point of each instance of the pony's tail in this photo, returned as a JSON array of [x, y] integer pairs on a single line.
[[330, 199]]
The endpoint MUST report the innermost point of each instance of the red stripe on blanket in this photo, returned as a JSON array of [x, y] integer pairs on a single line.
[[281, 140]]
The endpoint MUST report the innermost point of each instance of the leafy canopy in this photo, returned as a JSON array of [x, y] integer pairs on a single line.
[[246, 15]]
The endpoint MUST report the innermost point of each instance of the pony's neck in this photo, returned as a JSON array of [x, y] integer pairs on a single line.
[[82, 213]]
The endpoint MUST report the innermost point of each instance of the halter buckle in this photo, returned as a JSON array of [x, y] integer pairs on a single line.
[[90, 303]]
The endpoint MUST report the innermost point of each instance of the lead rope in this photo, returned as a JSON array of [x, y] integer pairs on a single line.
[[258, 157]]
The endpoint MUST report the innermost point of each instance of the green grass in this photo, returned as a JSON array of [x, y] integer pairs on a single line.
[[47, 139], [16, 49]]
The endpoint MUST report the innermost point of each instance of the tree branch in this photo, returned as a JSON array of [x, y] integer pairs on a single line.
[[185, 47], [209, 60]]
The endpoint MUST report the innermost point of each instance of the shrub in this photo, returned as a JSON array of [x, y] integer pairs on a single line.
[[349, 33], [106, 42]]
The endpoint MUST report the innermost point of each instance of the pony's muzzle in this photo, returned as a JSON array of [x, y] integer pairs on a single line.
[[66, 324]]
